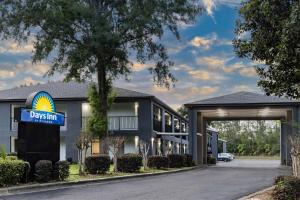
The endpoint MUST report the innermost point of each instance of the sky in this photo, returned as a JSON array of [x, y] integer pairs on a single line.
[[205, 64]]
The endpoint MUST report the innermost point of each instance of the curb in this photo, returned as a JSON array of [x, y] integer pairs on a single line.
[[60, 185], [248, 197]]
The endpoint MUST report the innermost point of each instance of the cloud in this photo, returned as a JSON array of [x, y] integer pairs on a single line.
[[211, 5], [10, 46], [248, 71], [206, 75], [209, 40], [26, 81], [240, 88], [4, 74], [38, 69]]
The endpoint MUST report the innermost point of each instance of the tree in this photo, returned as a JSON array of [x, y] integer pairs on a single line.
[[268, 32], [83, 142], [295, 154], [115, 144], [98, 37], [97, 122], [182, 110], [144, 147]]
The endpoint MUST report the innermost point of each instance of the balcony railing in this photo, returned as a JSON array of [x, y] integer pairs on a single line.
[[117, 123]]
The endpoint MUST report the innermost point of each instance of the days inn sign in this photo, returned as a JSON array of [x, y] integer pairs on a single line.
[[40, 108]]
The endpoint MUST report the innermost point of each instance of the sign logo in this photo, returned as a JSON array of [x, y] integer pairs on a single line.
[[42, 101], [41, 109]]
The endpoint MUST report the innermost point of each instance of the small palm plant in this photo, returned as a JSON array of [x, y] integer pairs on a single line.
[[3, 152]]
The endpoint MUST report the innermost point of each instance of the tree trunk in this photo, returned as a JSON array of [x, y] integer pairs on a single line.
[[115, 163], [103, 89]]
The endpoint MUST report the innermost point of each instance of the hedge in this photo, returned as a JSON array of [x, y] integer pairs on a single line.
[[97, 164], [11, 171], [129, 163], [43, 170], [62, 170], [176, 160], [158, 162], [211, 160], [188, 160], [286, 188]]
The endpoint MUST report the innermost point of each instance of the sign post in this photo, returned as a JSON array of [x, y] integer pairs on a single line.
[[39, 129]]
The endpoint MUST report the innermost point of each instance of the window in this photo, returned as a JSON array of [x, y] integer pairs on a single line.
[[157, 118], [176, 125], [96, 146], [85, 114], [168, 122], [13, 123]]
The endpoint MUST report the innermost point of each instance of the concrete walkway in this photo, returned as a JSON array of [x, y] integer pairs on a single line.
[[213, 183]]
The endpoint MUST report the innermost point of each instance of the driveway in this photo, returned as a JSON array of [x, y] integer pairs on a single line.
[[211, 183], [244, 163]]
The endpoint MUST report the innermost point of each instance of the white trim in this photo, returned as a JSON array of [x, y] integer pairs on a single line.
[[164, 133]]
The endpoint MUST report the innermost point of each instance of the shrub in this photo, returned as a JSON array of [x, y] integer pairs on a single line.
[[97, 164], [43, 170], [188, 160], [12, 154], [211, 160], [11, 171], [70, 160], [158, 162], [286, 188], [11, 158], [25, 176], [176, 160], [62, 170], [129, 163]]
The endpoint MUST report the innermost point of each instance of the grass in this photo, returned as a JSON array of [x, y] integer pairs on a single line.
[[258, 157], [74, 173]]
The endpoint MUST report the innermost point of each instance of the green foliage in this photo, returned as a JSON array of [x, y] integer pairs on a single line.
[[269, 32], [11, 171], [3, 152], [62, 170], [129, 163], [211, 160], [286, 188], [97, 164], [43, 170], [249, 138], [176, 160], [188, 160], [183, 111], [158, 162], [97, 122]]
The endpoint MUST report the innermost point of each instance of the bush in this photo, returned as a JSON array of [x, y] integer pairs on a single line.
[[25, 176], [129, 163], [97, 164], [62, 170], [211, 160], [176, 160], [12, 154], [70, 160], [43, 170], [11, 158], [11, 171], [188, 160], [286, 188], [158, 162]]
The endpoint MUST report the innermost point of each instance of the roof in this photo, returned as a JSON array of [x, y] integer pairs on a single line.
[[63, 90], [242, 98]]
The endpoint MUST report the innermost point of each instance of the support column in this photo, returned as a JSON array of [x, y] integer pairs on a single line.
[[193, 134], [283, 142], [200, 141], [204, 140]]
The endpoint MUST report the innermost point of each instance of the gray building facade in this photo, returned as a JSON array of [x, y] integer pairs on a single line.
[[133, 115]]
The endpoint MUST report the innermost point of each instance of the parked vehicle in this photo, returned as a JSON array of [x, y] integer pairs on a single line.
[[226, 157]]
